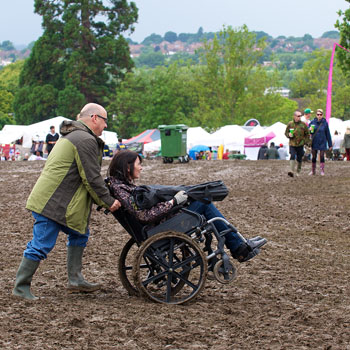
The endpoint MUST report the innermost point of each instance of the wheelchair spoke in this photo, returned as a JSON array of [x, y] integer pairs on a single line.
[[177, 268]]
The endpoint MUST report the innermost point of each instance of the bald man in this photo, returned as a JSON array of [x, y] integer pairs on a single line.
[[62, 198]]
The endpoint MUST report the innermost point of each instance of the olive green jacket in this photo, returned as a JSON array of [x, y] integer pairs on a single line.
[[346, 140], [71, 179], [301, 135]]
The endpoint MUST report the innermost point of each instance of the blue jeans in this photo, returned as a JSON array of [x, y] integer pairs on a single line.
[[45, 233], [209, 211]]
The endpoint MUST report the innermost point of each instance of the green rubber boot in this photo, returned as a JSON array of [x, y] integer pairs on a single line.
[[292, 168], [76, 281], [298, 168], [24, 277]]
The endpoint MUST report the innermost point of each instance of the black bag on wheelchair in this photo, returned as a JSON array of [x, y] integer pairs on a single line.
[[146, 197]]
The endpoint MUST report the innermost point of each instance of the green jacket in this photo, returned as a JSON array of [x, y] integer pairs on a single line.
[[71, 179], [346, 140], [301, 134]]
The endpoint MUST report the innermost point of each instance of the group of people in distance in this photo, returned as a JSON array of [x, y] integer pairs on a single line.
[[311, 134]]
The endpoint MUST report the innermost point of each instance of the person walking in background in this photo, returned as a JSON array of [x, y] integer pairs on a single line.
[[120, 145], [62, 198], [272, 151], [320, 135], [226, 154], [262, 152], [306, 118], [346, 143], [51, 139], [337, 140], [298, 134], [282, 153]]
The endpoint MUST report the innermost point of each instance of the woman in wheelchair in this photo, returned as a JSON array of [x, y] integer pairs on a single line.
[[126, 167]]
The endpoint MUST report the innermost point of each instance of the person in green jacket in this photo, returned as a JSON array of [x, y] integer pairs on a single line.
[[62, 198], [272, 152], [298, 134]]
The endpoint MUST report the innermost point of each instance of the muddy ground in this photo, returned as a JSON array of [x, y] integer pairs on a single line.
[[294, 295]]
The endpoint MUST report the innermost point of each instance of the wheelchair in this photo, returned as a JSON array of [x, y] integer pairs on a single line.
[[169, 263]]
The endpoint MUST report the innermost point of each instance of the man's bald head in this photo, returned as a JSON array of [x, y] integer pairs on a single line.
[[95, 117], [92, 109]]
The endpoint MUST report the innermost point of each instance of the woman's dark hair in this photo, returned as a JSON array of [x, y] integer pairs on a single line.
[[122, 165]]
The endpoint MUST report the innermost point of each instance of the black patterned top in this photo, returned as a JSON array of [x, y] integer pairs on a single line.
[[123, 192]]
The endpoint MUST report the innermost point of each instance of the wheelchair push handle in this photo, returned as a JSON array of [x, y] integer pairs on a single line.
[[106, 211]]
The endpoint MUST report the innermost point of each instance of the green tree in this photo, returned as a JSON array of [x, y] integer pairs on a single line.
[[28, 108], [152, 39], [6, 115], [311, 84], [9, 76], [332, 34], [170, 37], [228, 61], [82, 47], [7, 46], [262, 103], [150, 59], [313, 78], [343, 26], [150, 97]]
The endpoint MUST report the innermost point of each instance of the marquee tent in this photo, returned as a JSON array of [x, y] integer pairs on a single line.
[[253, 142], [232, 137], [38, 132], [10, 133], [278, 129], [198, 135], [152, 146]]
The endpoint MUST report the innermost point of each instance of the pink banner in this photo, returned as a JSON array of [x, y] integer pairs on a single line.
[[258, 141], [330, 77]]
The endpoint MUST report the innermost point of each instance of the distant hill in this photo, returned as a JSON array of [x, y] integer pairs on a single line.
[[280, 44], [172, 43]]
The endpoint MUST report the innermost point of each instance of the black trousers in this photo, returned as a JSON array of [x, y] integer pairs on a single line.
[[296, 152]]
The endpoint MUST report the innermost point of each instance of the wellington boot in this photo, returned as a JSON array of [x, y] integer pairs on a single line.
[[76, 281], [322, 169], [24, 277], [292, 168], [298, 168], [313, 169]]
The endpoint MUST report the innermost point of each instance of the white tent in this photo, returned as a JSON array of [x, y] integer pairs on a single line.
[[198, 136], [110, 138], [38, 131], [152, 146], [232, 137], [338, 125], [278, 129], [10, 133]]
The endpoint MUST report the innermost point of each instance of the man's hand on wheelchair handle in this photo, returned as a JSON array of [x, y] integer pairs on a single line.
[[115, 206], [180, 198]]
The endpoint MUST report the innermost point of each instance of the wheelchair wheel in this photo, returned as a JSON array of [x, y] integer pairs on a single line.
[[125, 264], [222, 276], [177, 268]]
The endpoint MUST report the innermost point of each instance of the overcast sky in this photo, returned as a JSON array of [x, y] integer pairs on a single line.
[[19, 24]]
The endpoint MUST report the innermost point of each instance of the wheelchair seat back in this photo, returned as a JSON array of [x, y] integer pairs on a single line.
[[130, 224]]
